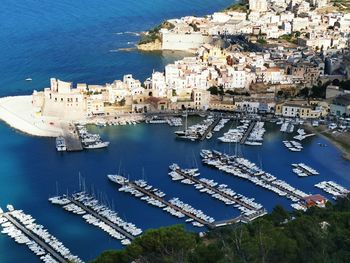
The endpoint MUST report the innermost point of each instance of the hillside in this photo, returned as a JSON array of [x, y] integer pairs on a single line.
[[316, 236], [152, 39]]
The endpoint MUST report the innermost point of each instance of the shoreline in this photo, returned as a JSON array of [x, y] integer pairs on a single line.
[[321, 131]]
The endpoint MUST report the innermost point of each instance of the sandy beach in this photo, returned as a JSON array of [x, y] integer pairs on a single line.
[[19, 113], [339, 140]]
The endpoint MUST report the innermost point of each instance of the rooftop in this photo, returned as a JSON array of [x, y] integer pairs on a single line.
[[343, 100]]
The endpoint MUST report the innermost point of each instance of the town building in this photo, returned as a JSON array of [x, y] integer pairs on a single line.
[[340, 106], [301, 109], [258, 5]]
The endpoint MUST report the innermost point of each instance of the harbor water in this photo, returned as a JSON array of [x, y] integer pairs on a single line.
[[76, 41], [31, 169]]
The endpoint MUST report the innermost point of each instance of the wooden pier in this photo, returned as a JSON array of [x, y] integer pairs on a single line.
[[246, 134], [217, 191], [210, 128], [103, 219], [144, 191], [36, 238]]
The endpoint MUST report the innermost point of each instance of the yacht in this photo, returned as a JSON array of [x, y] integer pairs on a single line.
[[61, 144], [118, 179], [97, 145], [209, 135]]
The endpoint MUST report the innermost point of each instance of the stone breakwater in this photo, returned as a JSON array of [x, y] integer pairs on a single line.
[[18, 112]]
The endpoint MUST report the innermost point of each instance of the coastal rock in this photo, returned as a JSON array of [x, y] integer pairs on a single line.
[[152, 46]]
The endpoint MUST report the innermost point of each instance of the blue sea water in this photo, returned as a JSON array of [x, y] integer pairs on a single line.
[[72, 40]]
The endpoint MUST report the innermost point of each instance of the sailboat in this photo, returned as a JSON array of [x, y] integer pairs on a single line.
[[183, 132], [186, 134]]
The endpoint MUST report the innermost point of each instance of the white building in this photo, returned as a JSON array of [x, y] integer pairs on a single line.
[[258, 5]]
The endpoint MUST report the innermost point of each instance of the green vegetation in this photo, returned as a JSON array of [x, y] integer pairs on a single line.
[[320, 235], [195, 27], [240, 7], [342, 5], [122, 102], [234, 92], [214, 90], [291, 38], [168, 244], [320, 90], [343, 84], [154, 34], [261, 41]]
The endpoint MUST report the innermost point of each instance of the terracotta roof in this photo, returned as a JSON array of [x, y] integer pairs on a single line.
[[315, 198]]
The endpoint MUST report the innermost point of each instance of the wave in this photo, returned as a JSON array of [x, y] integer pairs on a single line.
[[128, 33], [132, 33]]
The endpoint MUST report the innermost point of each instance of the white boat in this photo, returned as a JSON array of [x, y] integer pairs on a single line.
[[29, 79], [118, 179], [209, 135], [253, 143], [60, 144], [97, 145]]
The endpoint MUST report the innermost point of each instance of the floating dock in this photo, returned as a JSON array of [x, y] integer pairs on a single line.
[[34, 237], [253, 174], [210, 128], [216, 190], [101, 218], [166, 203], [248, 131], [24, 230], [240, 219]]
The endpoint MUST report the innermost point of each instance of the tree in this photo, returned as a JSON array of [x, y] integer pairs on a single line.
[[280, 93], [279, 215], [206, 253], [122, 102], [304, 92], [319, 235], [213, 90]]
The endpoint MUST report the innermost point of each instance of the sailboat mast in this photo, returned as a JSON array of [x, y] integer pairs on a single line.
[[56, 188]]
